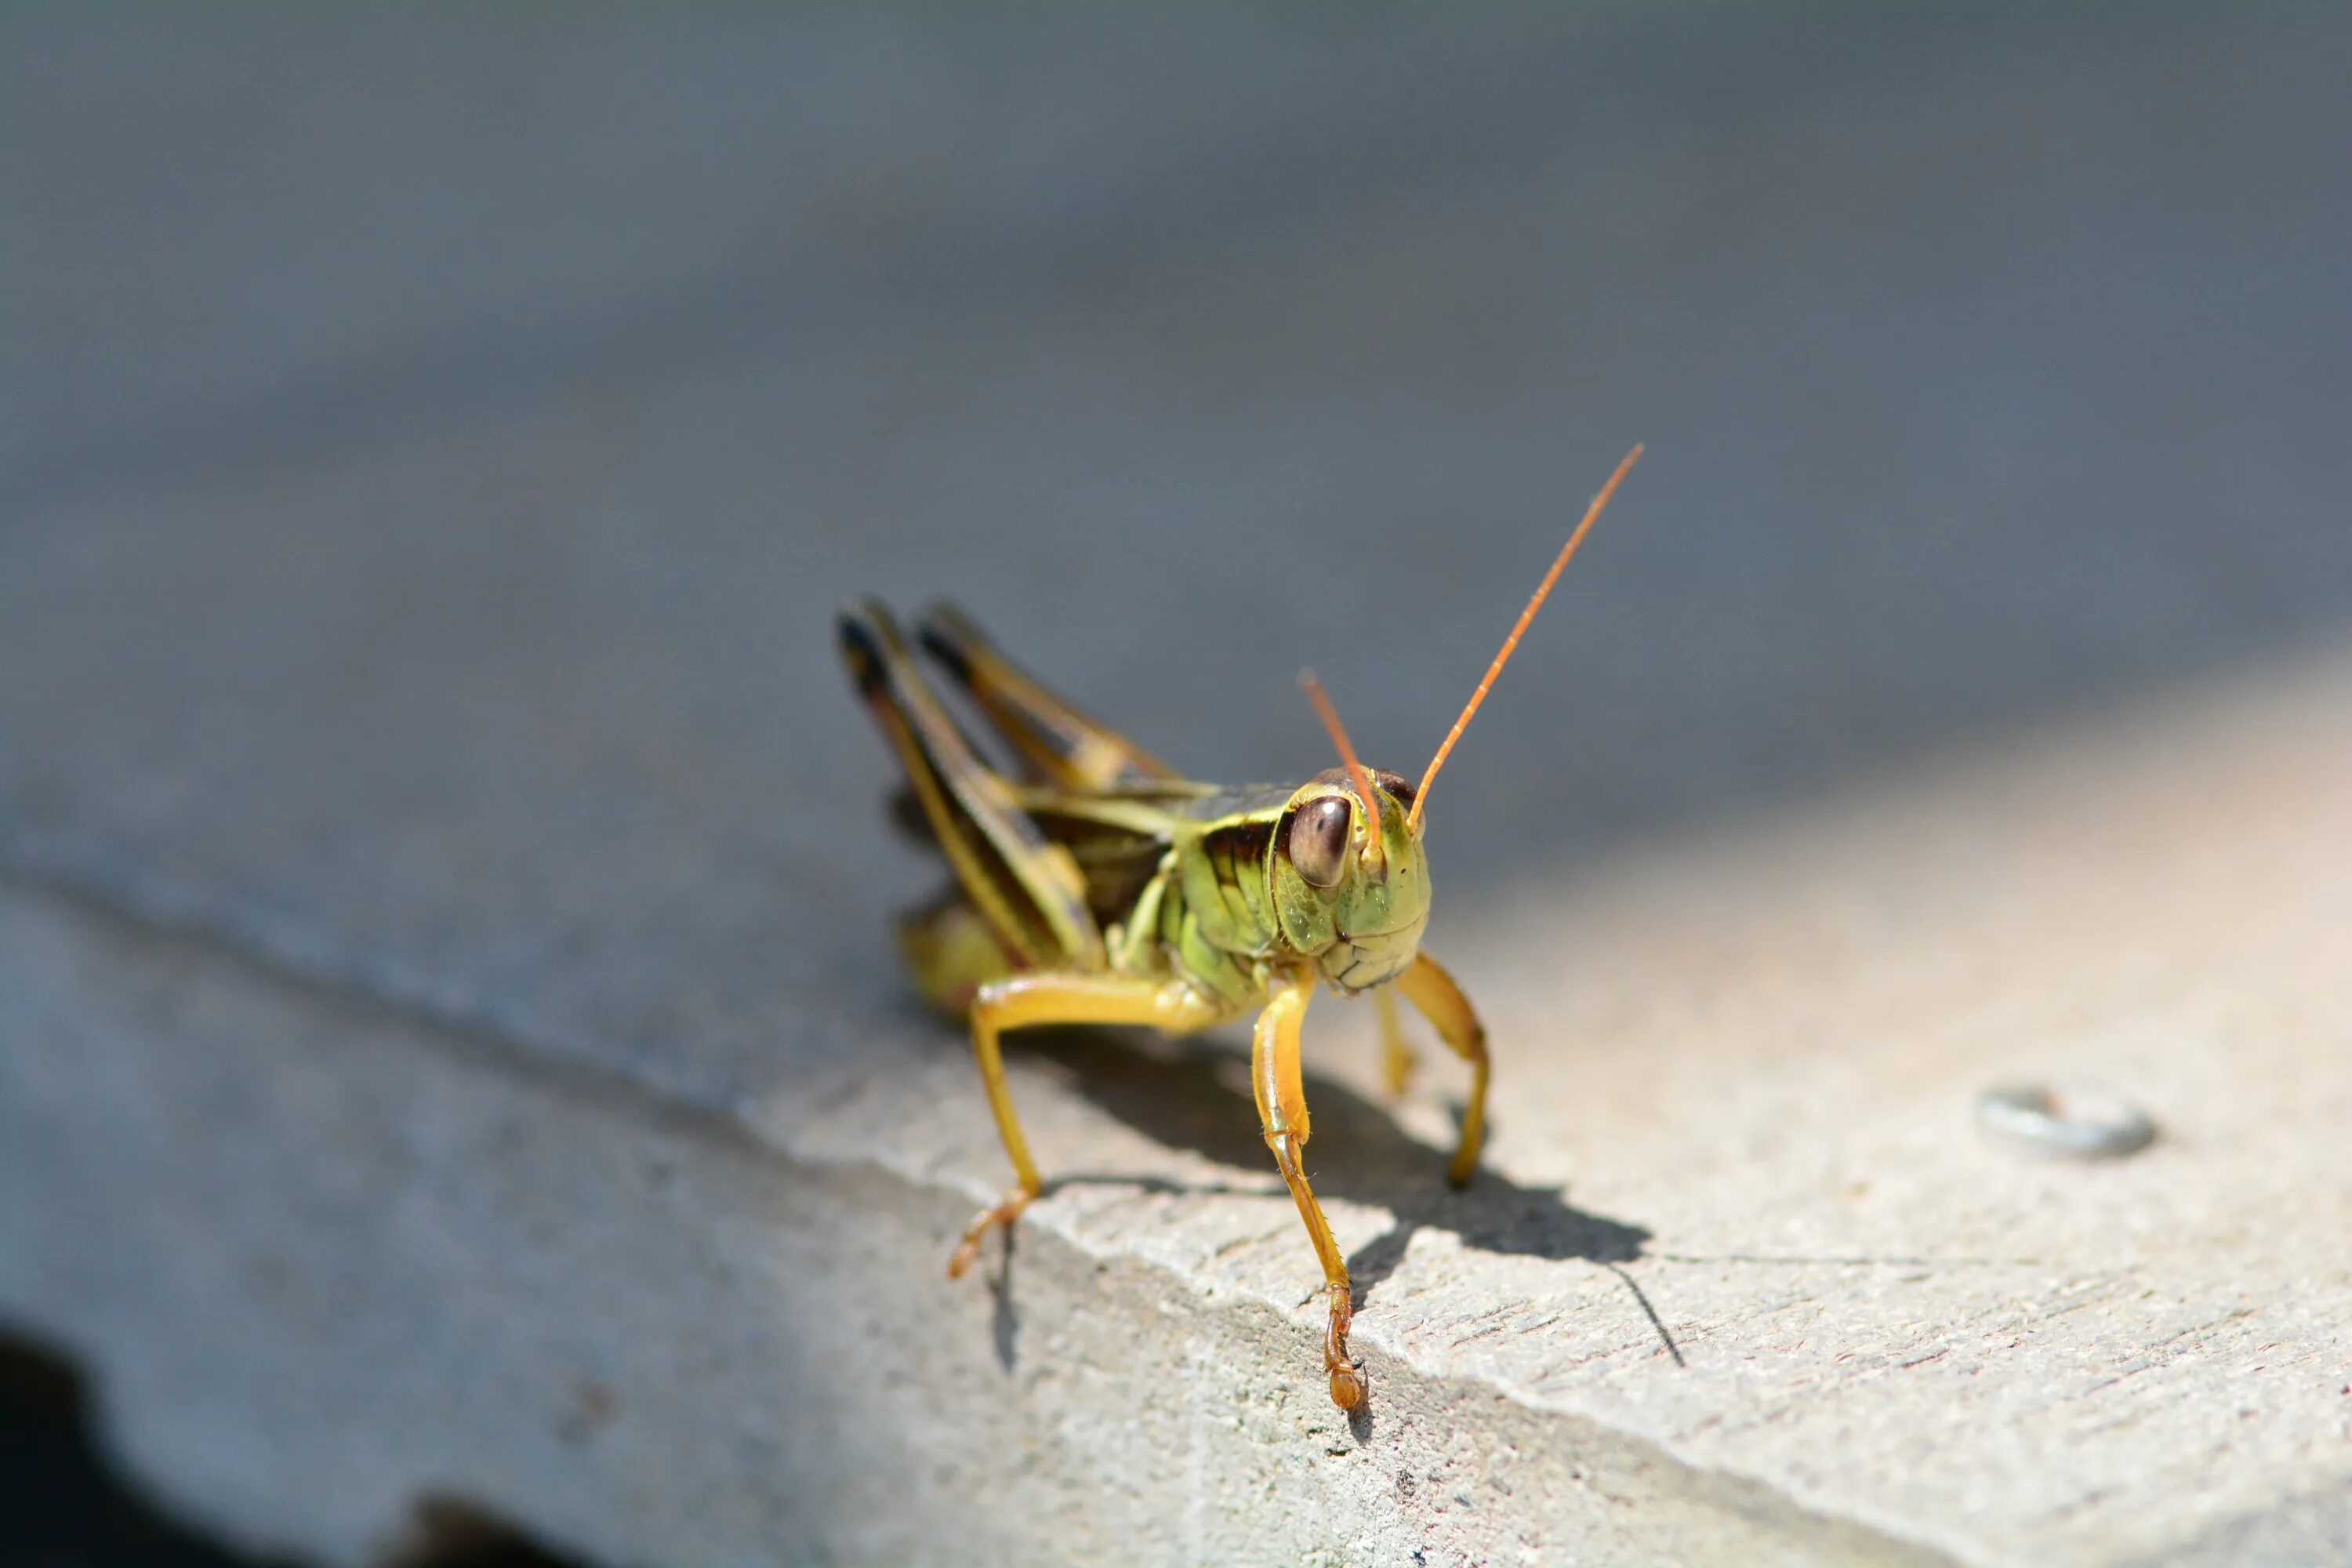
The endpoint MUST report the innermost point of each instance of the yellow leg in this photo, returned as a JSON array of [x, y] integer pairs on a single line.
[[952, 950], [1432, 991], [1282, 1108], [1397, 1060], [1047, 998]]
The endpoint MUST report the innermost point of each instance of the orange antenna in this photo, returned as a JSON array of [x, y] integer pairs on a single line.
[[1592, 514], [1362, 780]]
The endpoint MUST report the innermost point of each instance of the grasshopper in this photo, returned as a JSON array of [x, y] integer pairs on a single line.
[[1097, 885]]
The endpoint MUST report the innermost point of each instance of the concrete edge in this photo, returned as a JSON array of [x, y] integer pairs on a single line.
[[145, 919]]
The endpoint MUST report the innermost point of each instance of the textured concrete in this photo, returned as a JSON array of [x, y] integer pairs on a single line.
[[450, 1047]]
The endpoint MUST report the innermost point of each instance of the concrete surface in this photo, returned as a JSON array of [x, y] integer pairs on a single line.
[[450, 1046]]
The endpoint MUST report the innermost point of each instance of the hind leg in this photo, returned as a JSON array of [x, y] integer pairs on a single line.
[[951, 951], [1022, 1000]]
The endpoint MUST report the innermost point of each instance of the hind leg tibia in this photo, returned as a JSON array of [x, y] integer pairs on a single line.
[[1021, 1001]]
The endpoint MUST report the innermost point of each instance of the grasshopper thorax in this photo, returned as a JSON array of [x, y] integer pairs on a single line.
[[1356, 906]]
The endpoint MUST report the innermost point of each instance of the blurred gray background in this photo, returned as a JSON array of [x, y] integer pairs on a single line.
[[432, 442], [1992, 359]]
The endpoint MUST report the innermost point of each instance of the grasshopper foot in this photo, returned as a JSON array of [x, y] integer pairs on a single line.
[[1465, 1153], [1001, 1213], [1348, 1385]]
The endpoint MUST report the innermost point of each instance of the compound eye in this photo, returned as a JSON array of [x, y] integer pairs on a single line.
[[1318, 840]]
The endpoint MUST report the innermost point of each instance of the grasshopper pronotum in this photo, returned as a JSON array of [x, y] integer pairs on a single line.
[[1099, 886]]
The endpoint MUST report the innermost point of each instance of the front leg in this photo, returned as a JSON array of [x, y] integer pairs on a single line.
[[1280, 1081], [1432, 993], [1049, 998], [1397, 1060]]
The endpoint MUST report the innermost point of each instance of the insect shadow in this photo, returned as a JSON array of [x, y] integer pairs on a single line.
[[1189, 1095]]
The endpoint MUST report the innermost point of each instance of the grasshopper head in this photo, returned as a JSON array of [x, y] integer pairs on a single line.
[[1350, 883], [1352, 894]]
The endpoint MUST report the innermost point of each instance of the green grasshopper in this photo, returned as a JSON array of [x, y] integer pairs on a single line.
[[1097, 885]]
